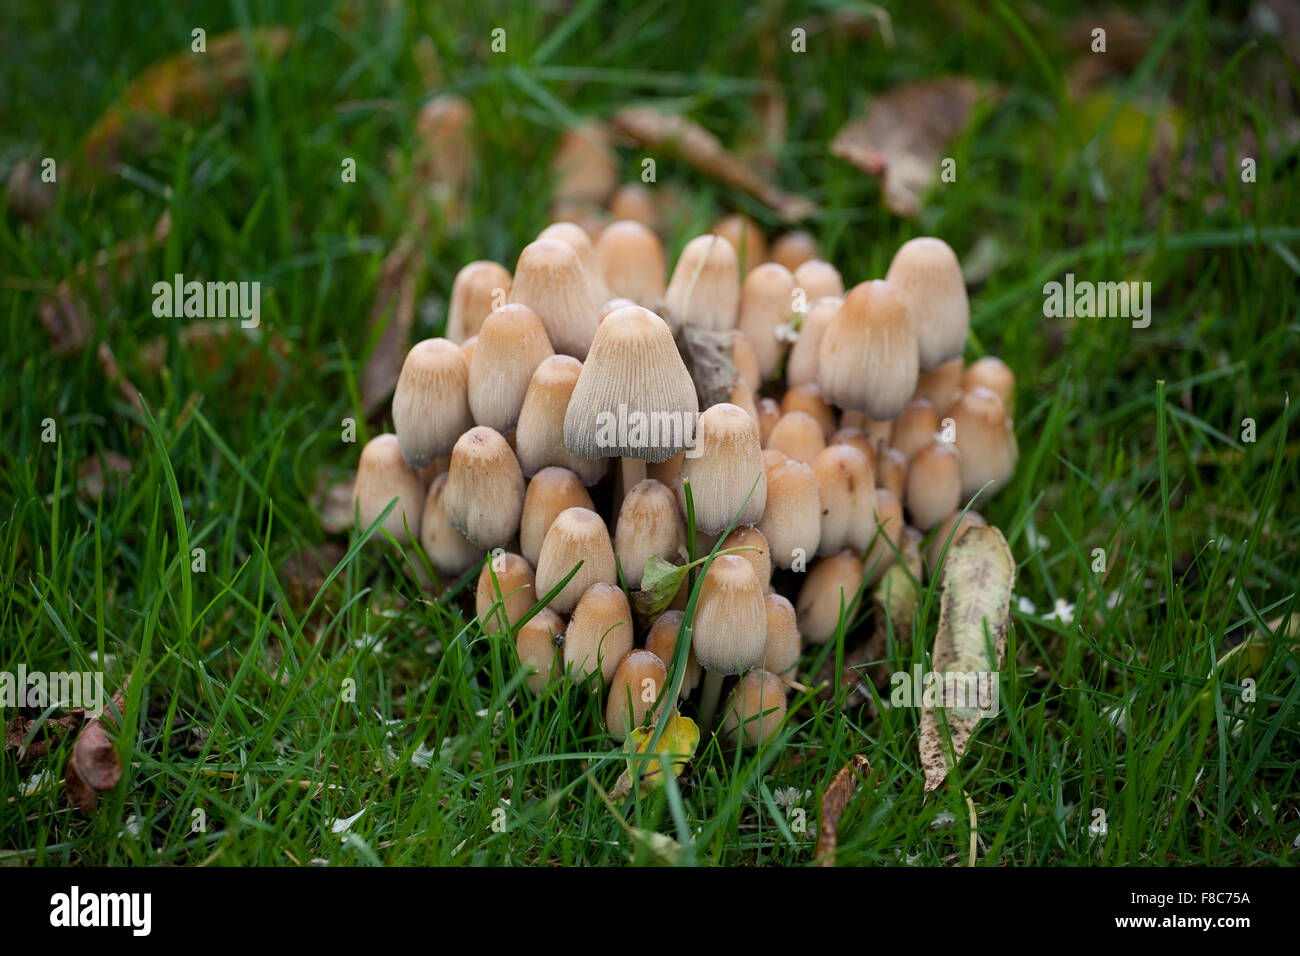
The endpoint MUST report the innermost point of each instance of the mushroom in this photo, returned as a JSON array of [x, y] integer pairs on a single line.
[[915, 427], [550, 491], [729, 630], [799, 435], [633, 202], [430, 402], [993, 373], [584, 166], [727, 479], [382, 475], [846, 489], [753, 547], [801, 366], [538, 643], [792, 520], [504, 593], [704, 290], [986, 440], [755, 709], [580, 242], [449, 551], [766, 301], [808, 398], [576, 535], [511, 345], [550, 280], [933, 484], [783, 644], [478, 290], [868, 358], [833, 582], [926, 273], [649, 525], [637, 685], [599, 633], [539, 435], [631, 262], [941, 385], [745, 237], [484, 496], [818, 279], [859, 440], [793, 249], [662, 642]]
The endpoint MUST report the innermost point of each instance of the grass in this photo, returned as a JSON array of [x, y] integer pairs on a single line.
[[265, 712]]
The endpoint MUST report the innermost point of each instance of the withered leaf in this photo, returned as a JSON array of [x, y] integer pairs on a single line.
[[696, 145], [94, 767], [834, 801], [708, 355], [902, 137], [978, 576], [20, 728], [104, 469]]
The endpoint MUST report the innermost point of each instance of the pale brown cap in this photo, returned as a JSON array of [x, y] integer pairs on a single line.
[[755, 709], [859, 440], [467, 347], [449, 551], [928, 276], [631, 261], [818, 279], [584, 166], [550, 491], [745, 237], [484, 496], [538, 645], [649, 525], [576, 534], [636, 687], [511, 344], [915, 427], [994, 374], [784, 643], [792, 520], [743, 398], [891, 472], [704, 290], [634, 374], [505, 588], [933, 484], [766, 303], [446, 153], [745, 359], [539, 437], [479, 289], [730, 626], [382, 475], [941, 384], [805, 355], [808, 398], [550, 280], [956, 525], [799, 435], [753, 547], [633, 201], [846, 489], [986, 440], [793, 249], [723, 475], [431, 401], [890, 525], [868, 357], [580, 242], [662, 642], [831, 581], [599, 633], [611, 306], [769, 413]]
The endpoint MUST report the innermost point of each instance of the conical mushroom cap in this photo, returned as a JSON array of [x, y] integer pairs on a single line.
[[925, 271], [704, 290], [479, 289], [723, 474], [484, 496], [431, 402], [576, 535], [766, 302], [511, 345], [550, 280], [539, 435], [382, 475], [632, 263], [634, 398], [730, 626], [986, 440], [868, 358]]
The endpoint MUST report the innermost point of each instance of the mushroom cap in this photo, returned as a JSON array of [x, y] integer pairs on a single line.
[[576, 534], [431, 401], [831, 581], [994, 374], [550, 491], [550, 280], [727, 477], [755, 709], [808, 398], [792, 520], [753, 547], [818, 279], [661, 640], [941, 384], [511, 345], [538, 645], [704, 290], [745, 237], [927, 274], [730, 625], [649, 525], [915, 427], [799, 435], [766, 303], [846, 488], [868, 357], [449, 551], [793, 249], [933, 484], [631, 261], [634, 398], [478, 290], [805, 355], [484, 496], [632, 201], [382, 475], [636, 686], [539, 434], [505, 586], [599, 633], [578, 239], [584, 165], [781, 650], [986, 440]]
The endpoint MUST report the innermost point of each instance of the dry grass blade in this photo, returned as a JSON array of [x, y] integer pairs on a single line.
[[834, 800]]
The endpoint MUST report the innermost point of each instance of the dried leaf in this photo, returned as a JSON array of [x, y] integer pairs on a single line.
[[680, 739], [834, 801], [708, 355], [19, 729], [978, 576], [696, 145], [95, 471], [902, 137], [187, 84], [94, 767], [223, 347]]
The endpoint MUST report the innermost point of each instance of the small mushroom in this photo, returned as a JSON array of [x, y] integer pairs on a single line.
[[484, 496], [634, 691], [382, 475], [576, 535], [539, 435], [478, 290], [868, 357], [755, 709], [504, 593], [550, 491], [704, 290], [926, 273], [431, 401], [933, 484], [727, 478], [599, 633], [511, 345]]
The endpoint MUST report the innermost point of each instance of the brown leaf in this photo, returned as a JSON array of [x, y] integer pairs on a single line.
[[708, 355], [834, 801], [902, 137], [20, 727], [187, 84], [94, 767], [978, 576], [697, 146], [221, 346], [95, 471], [394, 310]]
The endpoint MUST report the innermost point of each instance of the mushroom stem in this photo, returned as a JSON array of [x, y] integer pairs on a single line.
[[633, 473], [709, 697]]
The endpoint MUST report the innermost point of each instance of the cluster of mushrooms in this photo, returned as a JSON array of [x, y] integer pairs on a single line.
[[848, 426]]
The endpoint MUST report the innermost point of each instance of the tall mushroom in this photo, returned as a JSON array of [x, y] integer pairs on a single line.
[[868, 358]]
